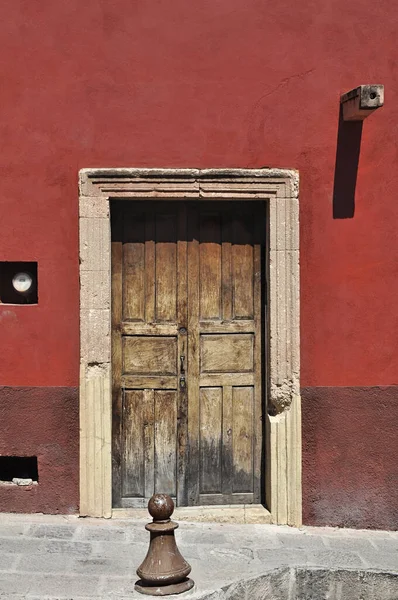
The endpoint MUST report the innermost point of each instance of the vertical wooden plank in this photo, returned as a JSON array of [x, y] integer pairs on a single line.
[[149, 443], [227, 451], [182, 319], [210, 440], [150, 265], [258, 374], [193, 356], [242, 398], [134, 266], [242, 269], [242, 261], [226, 268], [242, 265], [182, 281], [116, 317], [133, 463], [165, 442], [166, 267], [210, 266]]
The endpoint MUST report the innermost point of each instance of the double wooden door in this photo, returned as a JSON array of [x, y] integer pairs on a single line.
[[187, 281]]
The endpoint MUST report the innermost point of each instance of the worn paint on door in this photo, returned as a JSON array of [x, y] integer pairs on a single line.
[[187, 360]]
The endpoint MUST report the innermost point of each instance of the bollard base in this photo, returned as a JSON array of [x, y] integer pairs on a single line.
[[164, 590]]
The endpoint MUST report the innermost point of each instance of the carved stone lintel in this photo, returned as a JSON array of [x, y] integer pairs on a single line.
[[188, 183]]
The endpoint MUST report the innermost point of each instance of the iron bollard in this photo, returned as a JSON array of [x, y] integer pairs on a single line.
[[164, 571]]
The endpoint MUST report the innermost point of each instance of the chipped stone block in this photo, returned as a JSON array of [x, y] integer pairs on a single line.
[[95, 290], [95, 345], [96, 207], [95, 244]]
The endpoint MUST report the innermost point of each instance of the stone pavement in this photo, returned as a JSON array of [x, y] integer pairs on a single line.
[[64, 557]]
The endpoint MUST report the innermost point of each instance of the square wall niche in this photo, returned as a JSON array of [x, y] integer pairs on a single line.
[[18, 283], [14, 468]]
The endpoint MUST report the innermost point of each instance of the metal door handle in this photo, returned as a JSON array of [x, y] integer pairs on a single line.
[[182, 360]]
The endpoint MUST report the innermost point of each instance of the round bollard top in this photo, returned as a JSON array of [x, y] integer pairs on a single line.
[[160, 507]]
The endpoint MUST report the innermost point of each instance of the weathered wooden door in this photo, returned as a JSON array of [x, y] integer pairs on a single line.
[[187, 281]]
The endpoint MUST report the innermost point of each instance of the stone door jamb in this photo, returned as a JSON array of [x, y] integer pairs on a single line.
[[279, 189]]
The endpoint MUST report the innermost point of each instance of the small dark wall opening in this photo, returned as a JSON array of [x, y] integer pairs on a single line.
[[23, 467], [8, 293]]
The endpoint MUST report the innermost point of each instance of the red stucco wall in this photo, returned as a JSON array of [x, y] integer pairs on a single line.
[[208, 84]]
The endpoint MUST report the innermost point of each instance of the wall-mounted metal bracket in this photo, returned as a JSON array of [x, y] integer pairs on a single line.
[[360, 102]]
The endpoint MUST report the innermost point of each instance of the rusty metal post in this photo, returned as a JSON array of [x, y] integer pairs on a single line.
[[164, 571]]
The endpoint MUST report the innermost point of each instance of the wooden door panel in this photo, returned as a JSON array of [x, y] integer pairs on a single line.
[[243, 279], [146, 346], [149, 355], [134, 275], [137, 442], [226, 443], [186, 304], [210, 409], [226, 353], [228, 356], [242, 439], [149, 443], [165, 443], [133, 268], [144, 382], [210, 265], [166, 267]]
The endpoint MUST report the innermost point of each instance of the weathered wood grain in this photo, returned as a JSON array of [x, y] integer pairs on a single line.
[[150, 266], [242, 274], [242, 432], [193, 358], [227, 353], [158, 382], [241, 326], [155, 355], [165, 470], [116, 316], [259, 361], [182, 317], [128, 328], [135, 417], [227, 467], [187, 310], [166, 267], [149, 443], [134, 268], [210, 266], [225, 379], [211, 416]]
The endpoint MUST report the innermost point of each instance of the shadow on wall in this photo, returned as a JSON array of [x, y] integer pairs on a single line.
[[346, 168]]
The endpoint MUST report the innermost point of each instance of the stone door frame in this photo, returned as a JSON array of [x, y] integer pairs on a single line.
[[279, 189]]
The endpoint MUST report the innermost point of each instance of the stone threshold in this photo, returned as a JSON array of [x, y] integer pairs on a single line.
[[228, 513]]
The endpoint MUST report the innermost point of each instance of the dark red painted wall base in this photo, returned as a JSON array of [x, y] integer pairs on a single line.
[[42, 422], [350, 449], [350, 445]]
